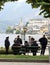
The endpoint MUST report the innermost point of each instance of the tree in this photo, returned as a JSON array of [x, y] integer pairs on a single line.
[[17, 32], [9, 30], [43, 4], [3, 1]]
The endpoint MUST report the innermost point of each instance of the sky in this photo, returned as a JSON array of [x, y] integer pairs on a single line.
[[13, 12]]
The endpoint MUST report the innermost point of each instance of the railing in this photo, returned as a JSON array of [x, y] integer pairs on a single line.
[[49, 53]]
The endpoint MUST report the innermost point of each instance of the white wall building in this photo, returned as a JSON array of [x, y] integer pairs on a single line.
[[36, 24], [49, 26]]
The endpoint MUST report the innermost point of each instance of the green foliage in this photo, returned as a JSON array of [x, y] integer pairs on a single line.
[[17, 31], [43, 4], [3, 1], [9, 30]]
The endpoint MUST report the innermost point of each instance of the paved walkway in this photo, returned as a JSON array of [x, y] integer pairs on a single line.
[[22, 63]]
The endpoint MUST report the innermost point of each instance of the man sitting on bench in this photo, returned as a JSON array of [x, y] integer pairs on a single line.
[[34, 46]]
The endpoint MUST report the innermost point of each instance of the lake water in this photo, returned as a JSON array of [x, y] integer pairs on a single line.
[[12, 36]]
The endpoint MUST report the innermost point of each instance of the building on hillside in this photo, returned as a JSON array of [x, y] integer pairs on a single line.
[[33, 26], [38, 25]]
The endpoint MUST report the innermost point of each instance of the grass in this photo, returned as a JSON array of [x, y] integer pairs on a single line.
[[22, 57], [25, 57]]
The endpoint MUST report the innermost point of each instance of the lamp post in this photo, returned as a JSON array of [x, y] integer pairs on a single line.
[[24, 32]]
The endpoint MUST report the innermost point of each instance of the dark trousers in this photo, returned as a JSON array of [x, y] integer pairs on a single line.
[[43, 50], [34, 53], [7, 48]]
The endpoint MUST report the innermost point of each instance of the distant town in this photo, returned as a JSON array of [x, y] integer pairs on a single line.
[[33, 26]]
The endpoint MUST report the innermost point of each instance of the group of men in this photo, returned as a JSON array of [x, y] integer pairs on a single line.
[[18, 42]]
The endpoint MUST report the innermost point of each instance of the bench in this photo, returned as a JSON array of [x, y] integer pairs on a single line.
[[24, 49]]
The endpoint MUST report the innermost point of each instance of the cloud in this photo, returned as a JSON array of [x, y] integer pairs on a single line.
[[21, 0]]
